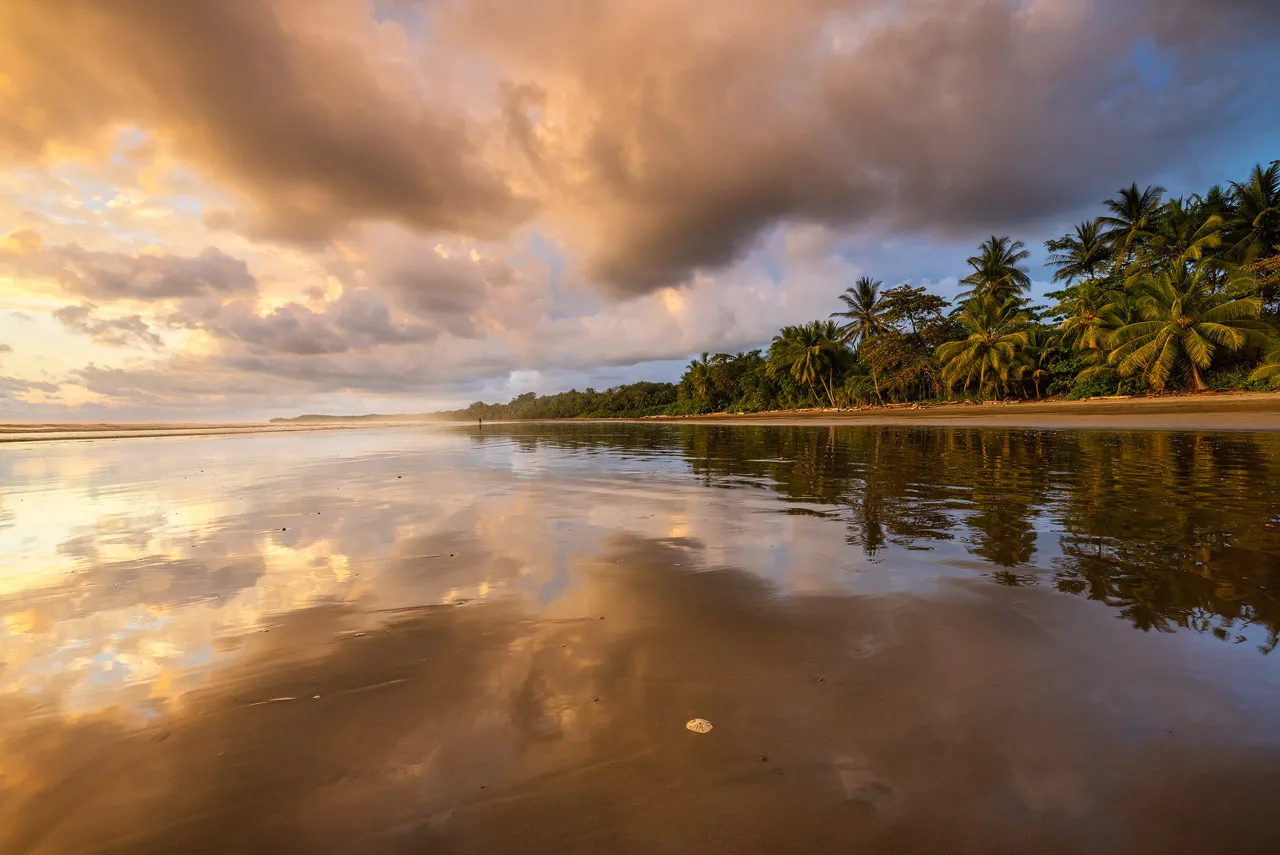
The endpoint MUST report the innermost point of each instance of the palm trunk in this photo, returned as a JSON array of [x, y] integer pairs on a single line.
[[827, 386], [875, 381], [1197, 380]]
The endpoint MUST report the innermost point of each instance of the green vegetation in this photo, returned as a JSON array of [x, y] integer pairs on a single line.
[[1158, 294]]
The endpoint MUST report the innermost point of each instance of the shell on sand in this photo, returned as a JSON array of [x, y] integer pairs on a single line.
[[698, 725]]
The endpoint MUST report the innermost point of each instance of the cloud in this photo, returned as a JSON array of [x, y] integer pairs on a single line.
[[110, 332], [103, 275], [475, 189], [10, 386], [358, 320], [453, 288], [675, 146], [313, 112], [659, 138]]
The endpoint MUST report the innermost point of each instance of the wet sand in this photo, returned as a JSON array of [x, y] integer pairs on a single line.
[[906, 640], [54, 432], [1258, 411], [1249, 412]]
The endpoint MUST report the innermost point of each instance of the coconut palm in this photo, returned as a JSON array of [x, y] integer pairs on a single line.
[[1257, 222], [1183, 233], [1181, 324], [1042, 346], [992, 351], [1133, 215], [1269, 369], [864, 317], [699, 373], [1079, 255], [997, 271], [1092, 315], [808, 353], [864, 312]]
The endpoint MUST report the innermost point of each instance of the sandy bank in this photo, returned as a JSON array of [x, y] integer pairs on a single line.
[[1249, 412], [59, 432]]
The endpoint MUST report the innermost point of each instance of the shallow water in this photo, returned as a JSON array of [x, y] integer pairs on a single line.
[[438, 640]]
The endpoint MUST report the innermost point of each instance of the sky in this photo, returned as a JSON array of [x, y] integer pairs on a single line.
[[217, 210]]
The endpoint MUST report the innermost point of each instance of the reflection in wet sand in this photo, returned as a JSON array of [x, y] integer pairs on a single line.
[[417, 641]]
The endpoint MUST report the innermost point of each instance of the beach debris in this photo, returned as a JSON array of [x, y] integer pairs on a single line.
[[698, 725]]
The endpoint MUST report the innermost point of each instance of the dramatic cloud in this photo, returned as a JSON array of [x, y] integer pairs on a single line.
[[678, 143], [315, 200], [662, 136], [111, 332], [312, 111]]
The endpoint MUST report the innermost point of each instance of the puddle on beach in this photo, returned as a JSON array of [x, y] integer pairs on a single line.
[[462, 640]]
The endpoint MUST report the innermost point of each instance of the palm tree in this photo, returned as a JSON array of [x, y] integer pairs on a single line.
[[1257, 203], [1042, 346], [864, 313], [997, 271], [1269, 369], [1181, 325], [1183, 234], [808, 353], [699, 372], [1092, 315], [1079, 255], [1133, 214], [864, 317], [992, 350], [1215, 200]]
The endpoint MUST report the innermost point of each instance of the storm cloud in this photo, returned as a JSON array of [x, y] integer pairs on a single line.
[[306, 199], [310, 110], [686, 130], [662, 138]]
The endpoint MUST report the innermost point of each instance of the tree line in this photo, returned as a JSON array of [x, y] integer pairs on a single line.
[[1156, 293]]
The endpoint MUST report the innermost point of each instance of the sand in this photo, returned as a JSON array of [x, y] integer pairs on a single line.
[[1259, 411], [1248, 412], [67, 431]]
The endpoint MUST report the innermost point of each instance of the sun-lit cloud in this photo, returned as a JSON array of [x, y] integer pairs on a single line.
[[334, 204]]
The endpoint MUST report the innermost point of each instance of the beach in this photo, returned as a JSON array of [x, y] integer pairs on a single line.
[[602, 636], [1228, 411], [1258, 411]]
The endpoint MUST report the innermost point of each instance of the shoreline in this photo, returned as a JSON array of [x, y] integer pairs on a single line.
[[55, 432], [1222, 411], [1227, 411]]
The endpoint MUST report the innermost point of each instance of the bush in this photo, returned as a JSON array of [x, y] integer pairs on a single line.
[[1101, 387], [1236, 379]]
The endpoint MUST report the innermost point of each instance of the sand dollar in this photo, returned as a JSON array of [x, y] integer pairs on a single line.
[[698, 725]]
